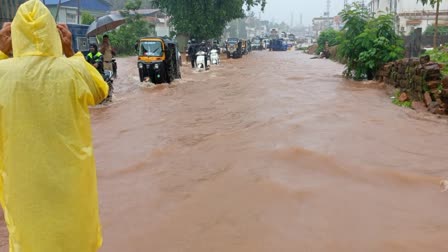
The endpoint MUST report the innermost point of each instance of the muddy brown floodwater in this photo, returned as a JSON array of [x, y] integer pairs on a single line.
[[271, 152]]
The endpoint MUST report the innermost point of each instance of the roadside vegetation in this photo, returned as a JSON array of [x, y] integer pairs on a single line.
[[365, 43], [330, 36], [135, 27], [201, 19], [439, 55], [205, 19]]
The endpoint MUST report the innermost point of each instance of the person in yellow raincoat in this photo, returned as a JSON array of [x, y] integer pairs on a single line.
[[48, 186]]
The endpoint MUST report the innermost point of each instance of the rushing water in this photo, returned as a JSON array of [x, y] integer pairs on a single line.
[[271, 152]]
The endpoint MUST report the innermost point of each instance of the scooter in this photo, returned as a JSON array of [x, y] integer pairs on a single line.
[[200, 60], [114, 67], [214, 57], [107, 76]]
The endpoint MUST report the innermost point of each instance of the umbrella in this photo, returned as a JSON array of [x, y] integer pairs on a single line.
[[105, 24]]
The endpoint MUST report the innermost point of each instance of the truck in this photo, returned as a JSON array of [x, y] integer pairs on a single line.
[[278, 45]]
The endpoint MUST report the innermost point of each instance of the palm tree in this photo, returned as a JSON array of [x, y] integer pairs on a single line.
[[436, 25]]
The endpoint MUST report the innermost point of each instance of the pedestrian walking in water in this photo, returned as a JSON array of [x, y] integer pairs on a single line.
[[48, 187]]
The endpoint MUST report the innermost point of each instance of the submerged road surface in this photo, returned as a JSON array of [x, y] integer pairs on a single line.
[[272, 152]]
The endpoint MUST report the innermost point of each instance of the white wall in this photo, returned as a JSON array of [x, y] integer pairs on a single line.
[[68, 15], [409, 6], [384, 6], [412, 5]]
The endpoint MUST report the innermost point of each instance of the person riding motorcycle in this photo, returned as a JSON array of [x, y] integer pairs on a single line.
[[95, 58], [203, 47]]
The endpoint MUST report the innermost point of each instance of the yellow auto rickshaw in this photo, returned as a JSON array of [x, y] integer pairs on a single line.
[[158, 60]]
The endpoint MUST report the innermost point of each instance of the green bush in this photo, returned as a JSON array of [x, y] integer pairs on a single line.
[[87, 18], [439, 56], [123, 39], [331, 36], [367, 43], [441, 30]]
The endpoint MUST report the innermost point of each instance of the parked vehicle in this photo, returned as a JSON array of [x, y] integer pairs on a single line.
[[158, 60]]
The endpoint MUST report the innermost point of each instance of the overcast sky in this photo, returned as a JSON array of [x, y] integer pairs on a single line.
[[281, 10]]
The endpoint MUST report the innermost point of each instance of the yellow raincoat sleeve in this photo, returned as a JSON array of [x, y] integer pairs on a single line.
[[97, 88], [48, 181], [3, 56]]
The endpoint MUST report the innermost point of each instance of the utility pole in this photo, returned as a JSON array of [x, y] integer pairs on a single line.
[[328, 13], [57, 11], [79, 10]]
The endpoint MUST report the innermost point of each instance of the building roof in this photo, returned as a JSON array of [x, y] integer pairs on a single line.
[[94, 5], [54, 2]]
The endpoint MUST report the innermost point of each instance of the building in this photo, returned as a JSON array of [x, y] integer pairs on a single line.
[[410, 14], [8, 9], [68, 10], [321, 24]]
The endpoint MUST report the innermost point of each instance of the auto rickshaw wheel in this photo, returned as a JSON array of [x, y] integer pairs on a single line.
[[140, 75]]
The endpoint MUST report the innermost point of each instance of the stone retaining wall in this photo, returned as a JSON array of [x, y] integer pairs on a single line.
[[418, 80]]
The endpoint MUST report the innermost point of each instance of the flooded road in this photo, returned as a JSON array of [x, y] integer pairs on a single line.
[[271, 152]]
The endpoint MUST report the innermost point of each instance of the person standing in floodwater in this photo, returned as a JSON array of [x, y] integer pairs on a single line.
[[48, 187]]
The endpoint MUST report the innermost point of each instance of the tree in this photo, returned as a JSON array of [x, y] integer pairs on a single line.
[[123, 38], [367, 43], [87, 18], [205, 19], [331, 36], [120, 4], [436, 25]]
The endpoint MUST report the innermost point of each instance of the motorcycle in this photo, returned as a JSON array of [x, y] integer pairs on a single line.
[[107, 76], [214, 57], [114, 67], [200, 60]]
